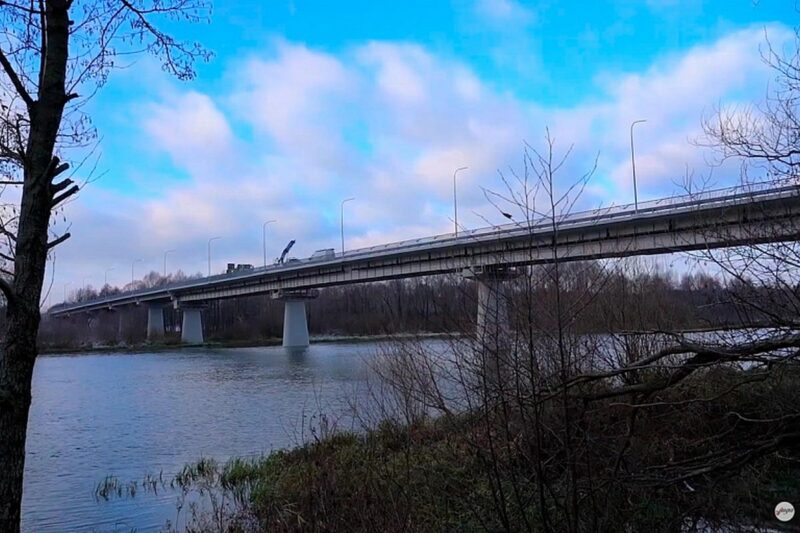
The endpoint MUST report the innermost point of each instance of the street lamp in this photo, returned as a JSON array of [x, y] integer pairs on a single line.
[[132, 265], [633, 167], [105, 276], [342, 219], [455, 199], [264, 239], [165, 261], [209, 253]]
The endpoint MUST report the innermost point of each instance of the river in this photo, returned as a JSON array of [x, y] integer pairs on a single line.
[[129, 414]]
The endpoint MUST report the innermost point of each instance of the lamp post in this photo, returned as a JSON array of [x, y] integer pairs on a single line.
[[165, 261], [455, 199], [105, 276], [132, 265], [342, 219], [209, 253], [264, 239], [633, 167]]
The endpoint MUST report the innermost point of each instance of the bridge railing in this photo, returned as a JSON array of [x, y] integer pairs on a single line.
[[693, 200]]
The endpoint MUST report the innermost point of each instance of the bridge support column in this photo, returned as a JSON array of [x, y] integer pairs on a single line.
[[192, 326], [93, 326], [492, 310], [295, 321], [493, 333], [120, 327], [103, 326], [493, 318], [155, 322]]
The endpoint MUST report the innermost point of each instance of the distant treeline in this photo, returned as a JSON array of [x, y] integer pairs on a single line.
[[625, 296]]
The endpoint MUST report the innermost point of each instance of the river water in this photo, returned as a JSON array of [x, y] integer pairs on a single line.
[[128, 415]]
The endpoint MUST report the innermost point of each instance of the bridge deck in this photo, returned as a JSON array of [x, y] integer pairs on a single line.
[[725, 217]]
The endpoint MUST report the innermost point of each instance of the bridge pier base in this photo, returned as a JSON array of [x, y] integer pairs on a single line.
[[192, 326], [155, 322], [295, 319]]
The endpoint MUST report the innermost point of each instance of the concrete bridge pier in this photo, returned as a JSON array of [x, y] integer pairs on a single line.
[[92, 326], [192, 325], [112, 330], [295, 319], [155, 322], [493, 333], [120, 336], [493, 317]]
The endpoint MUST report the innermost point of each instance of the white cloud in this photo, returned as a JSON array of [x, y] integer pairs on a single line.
[[400, 69], [673, 96], [504, 11], [294, 99], [192, 130], [300, 129]]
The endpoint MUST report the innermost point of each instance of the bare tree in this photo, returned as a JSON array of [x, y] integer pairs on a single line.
[[54, 55], [575, 431], [763, 137]]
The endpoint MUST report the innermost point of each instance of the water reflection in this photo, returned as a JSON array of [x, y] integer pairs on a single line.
[[131, 414]]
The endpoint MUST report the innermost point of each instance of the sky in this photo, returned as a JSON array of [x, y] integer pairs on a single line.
[[307, 103]]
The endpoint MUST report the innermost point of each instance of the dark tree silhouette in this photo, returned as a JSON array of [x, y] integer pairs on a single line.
[[54, 55]]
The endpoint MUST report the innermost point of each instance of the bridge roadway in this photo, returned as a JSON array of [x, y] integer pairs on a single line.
[[766, 212]]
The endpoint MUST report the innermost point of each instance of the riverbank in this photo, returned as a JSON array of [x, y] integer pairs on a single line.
[[248, 343]]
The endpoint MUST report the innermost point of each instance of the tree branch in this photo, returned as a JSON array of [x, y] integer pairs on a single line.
[[18, 85], [63, 196], [8, 292], [59, 168], [60, 186], [58, 241], [20, 7]]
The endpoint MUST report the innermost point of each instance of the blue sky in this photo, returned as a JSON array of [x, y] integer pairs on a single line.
[[306, 103]]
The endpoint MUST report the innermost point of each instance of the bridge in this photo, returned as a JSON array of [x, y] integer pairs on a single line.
[[743, 215]]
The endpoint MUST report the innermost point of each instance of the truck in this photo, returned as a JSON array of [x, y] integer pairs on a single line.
[[325, 253], [233, 267]]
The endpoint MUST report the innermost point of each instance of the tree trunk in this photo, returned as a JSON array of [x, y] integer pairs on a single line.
[[22, 326], [16, 371]]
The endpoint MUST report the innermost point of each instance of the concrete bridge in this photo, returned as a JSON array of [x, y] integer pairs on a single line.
[[766, 212]]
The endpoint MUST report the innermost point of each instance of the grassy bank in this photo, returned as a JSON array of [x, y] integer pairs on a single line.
[[688, 464]]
